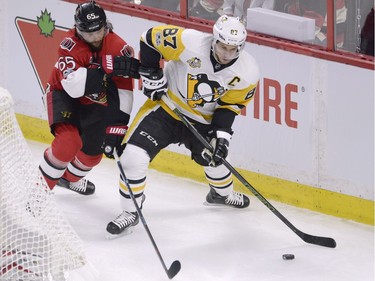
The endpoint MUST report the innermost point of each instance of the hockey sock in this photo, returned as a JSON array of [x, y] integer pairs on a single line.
[[135, 161], [219, 179], [80, 166], [67, 142], [51, 168]]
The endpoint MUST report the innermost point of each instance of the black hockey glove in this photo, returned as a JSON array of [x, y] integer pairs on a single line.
[[113, 139], [154, 82], [120, 66], [220, 145]]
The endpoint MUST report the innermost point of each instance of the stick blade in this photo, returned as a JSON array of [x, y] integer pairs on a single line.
[[321, 241], [174, 269]]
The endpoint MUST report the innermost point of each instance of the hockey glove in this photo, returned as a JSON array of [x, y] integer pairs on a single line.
[[154, 83], [113, 139], [120, 66], [220, 146]]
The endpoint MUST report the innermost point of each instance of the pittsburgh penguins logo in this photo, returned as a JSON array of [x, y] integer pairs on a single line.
[[201, 90], [194, 62]]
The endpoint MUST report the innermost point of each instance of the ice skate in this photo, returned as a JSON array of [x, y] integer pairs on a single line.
[[123, 223], [83, 186], [234, 199]]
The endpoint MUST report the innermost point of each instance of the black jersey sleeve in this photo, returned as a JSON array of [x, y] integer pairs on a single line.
[[223, 118], [150, 56]]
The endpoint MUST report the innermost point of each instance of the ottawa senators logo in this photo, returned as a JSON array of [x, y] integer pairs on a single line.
[[127, 51], [67, 44], [201, 90], [98, 97]]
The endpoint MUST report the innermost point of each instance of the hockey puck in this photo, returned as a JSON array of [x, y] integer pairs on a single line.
[[288, 257]]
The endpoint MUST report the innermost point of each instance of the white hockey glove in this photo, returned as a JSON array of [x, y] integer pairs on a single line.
[[154, 82], [220, 145]]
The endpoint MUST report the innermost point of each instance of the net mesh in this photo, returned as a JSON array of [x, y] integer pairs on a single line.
[[36, 241]]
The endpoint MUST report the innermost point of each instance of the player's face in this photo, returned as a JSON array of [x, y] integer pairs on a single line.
[[225, 53], [94, 39]]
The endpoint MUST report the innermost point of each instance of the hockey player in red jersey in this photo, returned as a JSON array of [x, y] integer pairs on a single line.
[[88, 99], [210, 78]]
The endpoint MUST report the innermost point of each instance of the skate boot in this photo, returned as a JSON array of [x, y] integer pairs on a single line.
[[234, 199], [83, 186], [123, 222]]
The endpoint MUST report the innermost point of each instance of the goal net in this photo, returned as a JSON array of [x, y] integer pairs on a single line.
[[36, 241]]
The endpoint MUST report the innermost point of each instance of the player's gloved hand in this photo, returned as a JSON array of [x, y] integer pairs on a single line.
[[154, 82], [113, 139], [220, 146], [120, 66]]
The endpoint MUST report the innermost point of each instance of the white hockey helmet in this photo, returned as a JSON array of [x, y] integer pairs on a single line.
[[230, 31]]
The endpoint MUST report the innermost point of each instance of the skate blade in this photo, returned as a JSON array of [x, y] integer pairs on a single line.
[[220, 206], [109, 236], [205, 203]]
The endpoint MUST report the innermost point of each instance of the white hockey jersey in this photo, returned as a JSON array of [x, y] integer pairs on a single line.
[[196, 82]]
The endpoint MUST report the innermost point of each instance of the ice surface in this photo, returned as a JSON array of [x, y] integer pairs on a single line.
[[218, 244]]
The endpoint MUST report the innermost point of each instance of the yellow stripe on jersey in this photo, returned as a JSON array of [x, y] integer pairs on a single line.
[[167, 40], [238, 97], [144, 110]]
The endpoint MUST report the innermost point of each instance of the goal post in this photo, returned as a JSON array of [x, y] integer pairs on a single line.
[[37, 242]]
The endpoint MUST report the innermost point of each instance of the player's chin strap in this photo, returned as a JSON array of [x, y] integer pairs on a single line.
[[176, 265], [312, 239]]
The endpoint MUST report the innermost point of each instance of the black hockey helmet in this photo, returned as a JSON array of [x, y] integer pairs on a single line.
[[89, 17]]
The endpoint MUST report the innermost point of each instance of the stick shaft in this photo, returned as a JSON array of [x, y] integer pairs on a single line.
[[174, 269], [317, 240]]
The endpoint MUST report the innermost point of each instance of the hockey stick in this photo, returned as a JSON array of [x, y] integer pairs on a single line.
[[176, 265], [312, 239]]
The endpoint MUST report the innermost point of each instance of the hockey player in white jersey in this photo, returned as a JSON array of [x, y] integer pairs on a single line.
[[211, 79]]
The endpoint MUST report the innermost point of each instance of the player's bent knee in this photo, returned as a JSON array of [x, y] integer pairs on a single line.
[[89, 160], [67, 139], [135, 161]]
